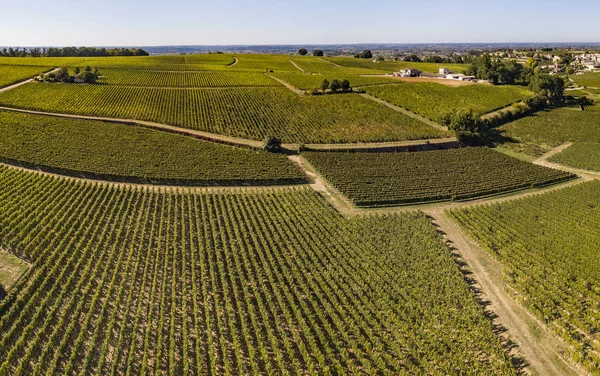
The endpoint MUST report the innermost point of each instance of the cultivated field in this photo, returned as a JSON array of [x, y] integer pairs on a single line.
[[12, 74], [544, 130], [434, 101], [120, 152], [376, 179], [154, 78], [549, 247], [313, 81], [135, 281], [394, 66], [244, 112], [588, 79]]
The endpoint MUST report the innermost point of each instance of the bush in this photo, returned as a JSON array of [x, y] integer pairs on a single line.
[[272, 144]]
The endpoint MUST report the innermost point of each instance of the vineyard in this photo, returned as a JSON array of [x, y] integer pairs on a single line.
[[588, 79], [313, 81], [434, 101], [583, 155], [549, 247], [544, 130], [243, 112], [136, 281], [120, 152], [149, 78], [379, 179], [316, 65], [11, 74]]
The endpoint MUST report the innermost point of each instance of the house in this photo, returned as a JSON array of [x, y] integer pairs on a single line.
[[445, 71], [411, 72], [455, 76]]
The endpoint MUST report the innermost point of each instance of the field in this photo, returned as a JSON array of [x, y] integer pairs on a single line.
[[11, 74], [544, 130], [120, 152], [548, 245], [583, 155], [434, 101], [41, 61], [316, 65], [244, 112], [313, 81], [136, 281], [154, 78], [588, 79], [375, 179], [394, 66]]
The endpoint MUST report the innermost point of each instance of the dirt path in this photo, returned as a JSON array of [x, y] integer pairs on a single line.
[[441, 81], [553, 152], [296, 65], [405, 112], [540, 348], [330, 62], [235, 61]]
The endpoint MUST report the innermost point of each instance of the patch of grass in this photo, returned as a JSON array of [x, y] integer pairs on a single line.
[[11, 268]]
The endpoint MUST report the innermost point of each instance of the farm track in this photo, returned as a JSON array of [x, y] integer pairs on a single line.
[[287, 85], [541, 349], [296, 65], [235, 61], [494, 113]]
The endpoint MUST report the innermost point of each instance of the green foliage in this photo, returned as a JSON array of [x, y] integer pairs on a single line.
[[272, 144], [548, 245], [335, 85], [366, 54], [588, 79], [242, 112], [324, 84], [376, 179], [318, 53], [121, 152], [435, 101], [311, 81], [139, 280], [550, 87], [303, 52], [496, 71]]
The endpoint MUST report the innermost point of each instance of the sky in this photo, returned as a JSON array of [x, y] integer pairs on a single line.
[[221, 22]]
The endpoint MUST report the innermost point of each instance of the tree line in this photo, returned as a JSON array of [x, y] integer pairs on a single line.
[[71, 52]]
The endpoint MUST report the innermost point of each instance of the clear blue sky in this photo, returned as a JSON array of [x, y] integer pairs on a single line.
[[180, 22]]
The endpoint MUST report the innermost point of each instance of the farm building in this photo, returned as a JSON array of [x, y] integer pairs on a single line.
[[445, 71], [411, 72], [460, 77]]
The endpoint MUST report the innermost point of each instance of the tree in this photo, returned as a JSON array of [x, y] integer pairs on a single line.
[[324, 85], [335, 85], [303, 52], [345, 85], [272, 144], [318, 53], [552, 88], [366, 54], [412, 58], [77, 70]]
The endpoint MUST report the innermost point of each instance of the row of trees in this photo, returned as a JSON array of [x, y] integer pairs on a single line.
[[335, 85], [88, 76], [304, 52], [71, 51]]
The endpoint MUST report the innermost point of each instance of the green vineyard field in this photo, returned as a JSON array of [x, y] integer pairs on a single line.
[[121, 152], [378, 179], [544, 130], [434, 100], [242, 112], [12, 74], [153, 78], [548, 245], [583, 155], [137, 281], [394, 66], [588, 79]]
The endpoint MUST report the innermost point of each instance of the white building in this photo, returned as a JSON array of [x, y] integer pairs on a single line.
[[411, 72], [445, 71]]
